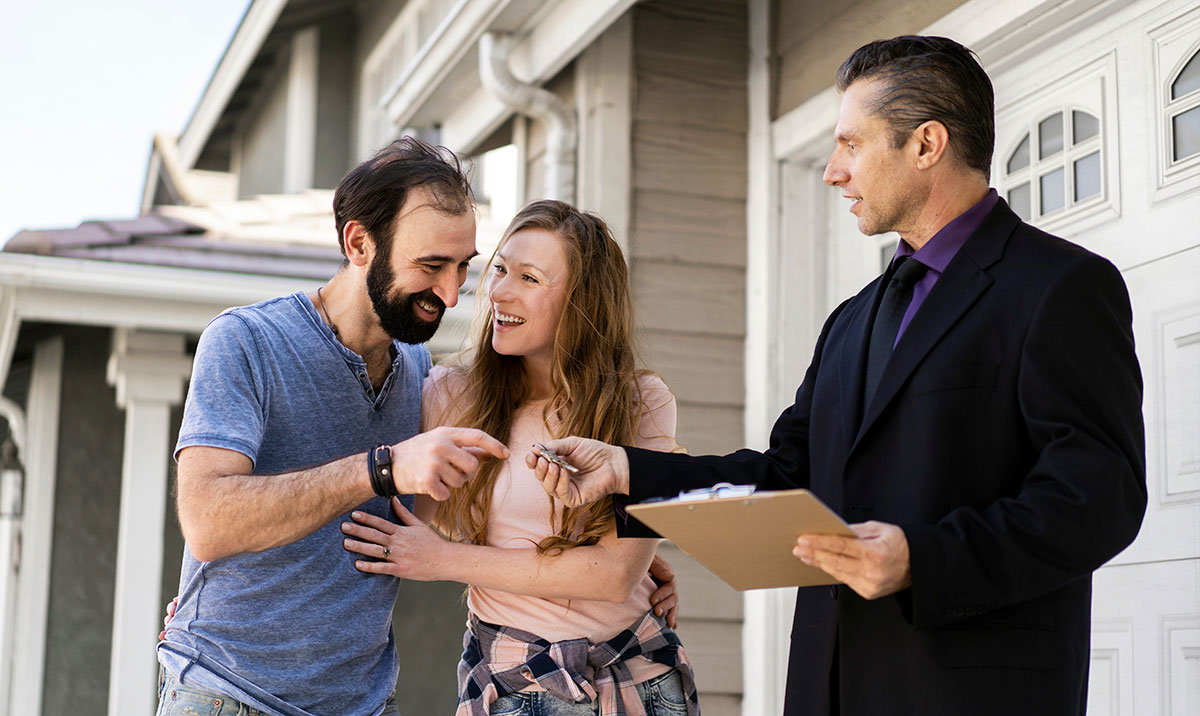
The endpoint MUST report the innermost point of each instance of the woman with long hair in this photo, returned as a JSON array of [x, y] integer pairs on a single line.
[[560, 619]]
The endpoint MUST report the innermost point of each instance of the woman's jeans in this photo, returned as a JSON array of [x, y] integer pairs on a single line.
[[661, 696]]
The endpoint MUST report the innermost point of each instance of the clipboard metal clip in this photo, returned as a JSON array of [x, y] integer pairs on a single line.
[[721, 489]]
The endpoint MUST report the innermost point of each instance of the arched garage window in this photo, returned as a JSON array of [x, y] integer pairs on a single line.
[[1183, 109], [1056, 165]]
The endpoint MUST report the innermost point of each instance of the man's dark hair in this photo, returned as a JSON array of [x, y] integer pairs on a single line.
[[929, 78], [373, 191]]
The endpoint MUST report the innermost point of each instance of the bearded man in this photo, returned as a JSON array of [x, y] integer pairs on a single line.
[[292, 420]]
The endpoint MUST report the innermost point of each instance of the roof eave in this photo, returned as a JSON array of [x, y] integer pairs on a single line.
[[108, 293], [247, 40], [89, 291]]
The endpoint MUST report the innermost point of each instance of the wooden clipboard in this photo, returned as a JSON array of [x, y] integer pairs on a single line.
[[746, 540]]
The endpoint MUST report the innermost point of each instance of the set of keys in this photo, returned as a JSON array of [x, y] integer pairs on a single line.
[[555, 458]]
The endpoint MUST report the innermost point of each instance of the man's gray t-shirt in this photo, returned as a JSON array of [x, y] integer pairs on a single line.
[[295, 629]]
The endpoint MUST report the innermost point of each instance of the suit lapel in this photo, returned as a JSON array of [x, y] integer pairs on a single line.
[[958, 288], [853, 366]]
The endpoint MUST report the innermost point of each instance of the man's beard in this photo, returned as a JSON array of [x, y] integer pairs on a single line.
[[396, 313]]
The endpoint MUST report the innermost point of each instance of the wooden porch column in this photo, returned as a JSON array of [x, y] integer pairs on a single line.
[[148, 370]]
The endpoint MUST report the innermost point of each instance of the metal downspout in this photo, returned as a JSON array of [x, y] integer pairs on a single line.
[[562, 134]]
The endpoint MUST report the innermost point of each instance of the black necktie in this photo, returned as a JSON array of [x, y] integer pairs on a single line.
[[895, 302]]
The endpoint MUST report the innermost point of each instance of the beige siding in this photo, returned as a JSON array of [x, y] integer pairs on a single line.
[[688, 231], [697, 601], [813, 37], [687, 253], [722, 705], [671, 295], [562, 85], [700, 369], [689, 160], [708, 426], [672, 226], [710, 626]]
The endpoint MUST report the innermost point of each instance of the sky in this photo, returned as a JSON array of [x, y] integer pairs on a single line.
[[84, 86]]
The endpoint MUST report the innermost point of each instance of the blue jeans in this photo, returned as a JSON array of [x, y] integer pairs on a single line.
[[175, 699], [661, 696]]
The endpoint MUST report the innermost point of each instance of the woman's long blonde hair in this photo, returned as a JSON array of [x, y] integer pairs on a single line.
[[594, 376]]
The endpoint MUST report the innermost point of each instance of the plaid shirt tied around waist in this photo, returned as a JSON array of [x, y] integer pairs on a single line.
[[559, 667]]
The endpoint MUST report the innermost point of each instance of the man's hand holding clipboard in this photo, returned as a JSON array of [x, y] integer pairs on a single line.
[[872, 559]]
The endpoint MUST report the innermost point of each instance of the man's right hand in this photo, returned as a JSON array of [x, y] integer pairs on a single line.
[[437, 461], [603, 470]]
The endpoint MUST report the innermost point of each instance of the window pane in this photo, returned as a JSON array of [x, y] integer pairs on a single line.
[[1053, 195], [1186, 141], [1018, 200], [1085, 126], [1020, 156], [1087, 176], [1188, 79], [1050, 136]]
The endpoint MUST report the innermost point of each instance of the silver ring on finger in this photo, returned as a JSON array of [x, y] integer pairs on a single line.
[[387, 552]]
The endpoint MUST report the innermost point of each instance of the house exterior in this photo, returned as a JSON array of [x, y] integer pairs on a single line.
[[700, 131]]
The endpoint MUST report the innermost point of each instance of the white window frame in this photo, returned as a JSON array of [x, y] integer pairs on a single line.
[[1173, 43], [1091, 88], [1064, 159]]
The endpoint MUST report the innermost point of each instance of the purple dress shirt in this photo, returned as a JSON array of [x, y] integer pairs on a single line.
[[937, 252]]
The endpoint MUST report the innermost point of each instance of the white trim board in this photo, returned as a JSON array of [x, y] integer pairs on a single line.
[[300, 129], [561, 34], [149, 370], [108, 293], [764, 644], [10, 326], [37, 526], [604, 102]]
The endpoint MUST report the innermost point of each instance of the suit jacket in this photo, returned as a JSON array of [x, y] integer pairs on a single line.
[[1006, 440]]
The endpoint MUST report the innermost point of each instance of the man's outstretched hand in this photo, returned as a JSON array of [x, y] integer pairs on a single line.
[[439, 460], [603, 470]]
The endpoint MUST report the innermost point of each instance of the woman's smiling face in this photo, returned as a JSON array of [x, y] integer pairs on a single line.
[[528, 288]]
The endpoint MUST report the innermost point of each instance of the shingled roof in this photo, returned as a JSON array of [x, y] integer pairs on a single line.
[[264, 236]]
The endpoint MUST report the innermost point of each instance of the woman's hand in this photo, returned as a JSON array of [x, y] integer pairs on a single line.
[[171, 605], [408, 550]]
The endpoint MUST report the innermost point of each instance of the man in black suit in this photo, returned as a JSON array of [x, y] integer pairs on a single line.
[[976, 411]]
